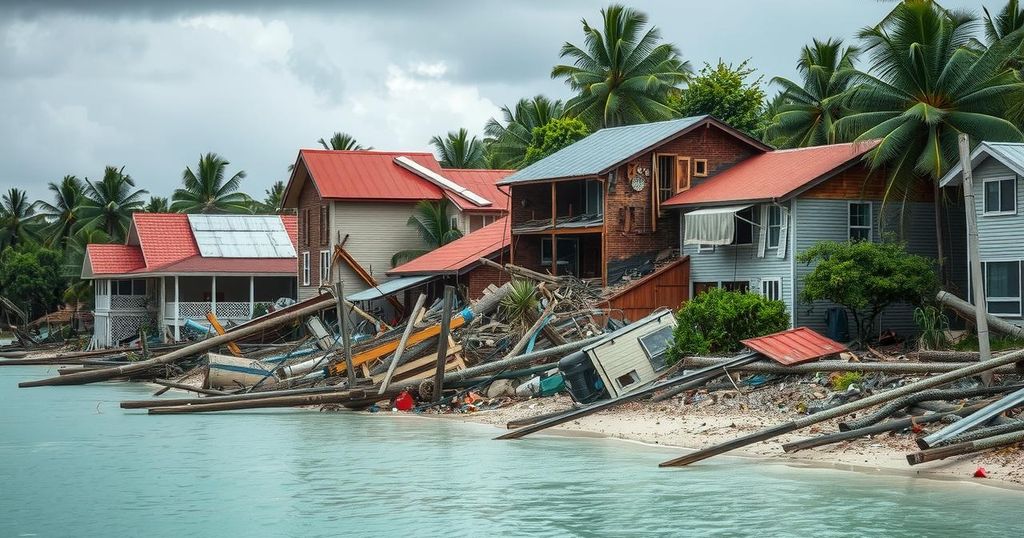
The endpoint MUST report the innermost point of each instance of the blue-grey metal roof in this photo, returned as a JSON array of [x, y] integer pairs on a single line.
[[1010, 154], [388, 287], [602, 150], [241, 236]]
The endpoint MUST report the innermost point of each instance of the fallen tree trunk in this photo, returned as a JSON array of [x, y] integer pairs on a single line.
[[923, 396], [279, 401], [769, 367], [969, 447], [845, 409], [105, 374], [967, 310], [999, 429]]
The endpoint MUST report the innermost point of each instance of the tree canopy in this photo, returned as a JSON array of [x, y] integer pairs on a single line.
[[727, 93], [205, 190], [508, 142], [459, 150], [553, 136], [435, 228]]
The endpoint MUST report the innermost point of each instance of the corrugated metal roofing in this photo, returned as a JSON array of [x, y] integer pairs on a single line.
[[384, 289], [241, 236], [770, 176], [460, 254], [1009, 153], [601, 150], [369, 175], [795, 346]]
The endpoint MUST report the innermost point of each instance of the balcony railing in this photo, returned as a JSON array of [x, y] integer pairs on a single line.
[[233, 310]]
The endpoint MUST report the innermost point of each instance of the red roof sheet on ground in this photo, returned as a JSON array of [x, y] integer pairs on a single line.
[[369, 175], [795, 346], [773, 175], [114, 259], [482, 182], [460, 254]]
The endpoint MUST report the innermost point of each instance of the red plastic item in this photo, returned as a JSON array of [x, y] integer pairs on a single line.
[[403, 402], [980, 473]]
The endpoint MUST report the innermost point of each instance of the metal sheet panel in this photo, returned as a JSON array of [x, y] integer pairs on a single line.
[[795, 346], [387, 288], [241, 236]]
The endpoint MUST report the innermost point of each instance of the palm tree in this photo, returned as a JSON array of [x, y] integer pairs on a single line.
[[431, 220], [1009, 20], [458, 150], [61, 216], [205, 190], [506, 144], [929, 81], [275, 194], [342, 141], [109, 203], [621, 76], [157, 204], [17, 219], [808, 110]]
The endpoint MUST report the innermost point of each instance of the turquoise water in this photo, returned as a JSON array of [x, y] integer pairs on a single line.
[[74, 464]]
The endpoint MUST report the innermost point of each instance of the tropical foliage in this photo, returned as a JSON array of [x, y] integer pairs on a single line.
[[60, 216], [553, 136], [342, 141], [727, 93], [507, 142], [435, 228], [110, 202], [205, 190], [716, 320], [17, 223], [808, 110], [30, 276], [622, 73], [459, 150]]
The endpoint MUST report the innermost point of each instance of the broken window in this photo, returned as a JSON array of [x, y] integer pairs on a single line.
[[656, 345], [666, 176], [628, 379]]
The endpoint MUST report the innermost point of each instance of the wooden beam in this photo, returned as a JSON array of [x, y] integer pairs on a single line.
[[442, 340], [341, 254], [233, 347]]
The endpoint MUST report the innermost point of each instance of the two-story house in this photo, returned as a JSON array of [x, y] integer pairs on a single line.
[[353, 210], [998, 194]]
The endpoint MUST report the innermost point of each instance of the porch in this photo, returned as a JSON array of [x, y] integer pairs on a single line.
[[233, 299]]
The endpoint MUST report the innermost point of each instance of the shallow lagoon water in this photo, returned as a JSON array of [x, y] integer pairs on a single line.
[[72, 463]]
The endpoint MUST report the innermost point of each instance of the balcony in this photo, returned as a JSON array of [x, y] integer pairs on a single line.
[[225, 310]]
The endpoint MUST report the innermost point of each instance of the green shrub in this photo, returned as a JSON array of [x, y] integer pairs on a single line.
[[933, 325], [843, 381], [715, 321]]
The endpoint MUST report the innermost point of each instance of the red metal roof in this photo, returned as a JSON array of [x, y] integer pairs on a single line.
[[112, 259], [369, 175], [773, 175], [163, 243], [795, 346], [460, 254], [482, 182]]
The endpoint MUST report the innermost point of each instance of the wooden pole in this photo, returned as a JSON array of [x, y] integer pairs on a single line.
[[279, 401], [845, 409], [968, 447], [167, 383], [442, 341], [396, 359], [977, 281], [346, 340]]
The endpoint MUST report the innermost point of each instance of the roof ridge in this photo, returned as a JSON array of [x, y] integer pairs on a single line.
[[685, 118], [365, 151]]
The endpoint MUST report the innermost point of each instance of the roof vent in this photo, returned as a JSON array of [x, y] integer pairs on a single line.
[[441, 181]]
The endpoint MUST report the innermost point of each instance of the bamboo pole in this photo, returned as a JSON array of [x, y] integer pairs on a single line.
[[396, 359], [845, 409], [968, 447], [104, 374]]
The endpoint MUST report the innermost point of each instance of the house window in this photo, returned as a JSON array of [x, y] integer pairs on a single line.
[[325, 267], [128, 287], [666, 176], [700, 168], [325, 217], [305, 268], [741, 285], [1001, 196], [860, 221], [1002, 288], [656, 345], [701, 287], [774, 226], [453, 222], [479, 221], [771, 288], [705, 248], [744, 227], [305, 226], [594, 198]]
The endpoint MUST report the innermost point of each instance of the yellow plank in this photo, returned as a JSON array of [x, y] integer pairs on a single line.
[[389, 347], [212, 318]]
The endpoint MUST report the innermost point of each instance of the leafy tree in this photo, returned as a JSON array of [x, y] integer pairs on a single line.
[[17, 219], [553, 136], [431, 220], [621, 75], [110, 202], [865, 278], [507, 144], [342, 141], [30, 277], [157, 204], [272, 201], [717, 320], [206, 191], [726, 93], [459, 150], [74, 250], [809, 109], [61, 216]]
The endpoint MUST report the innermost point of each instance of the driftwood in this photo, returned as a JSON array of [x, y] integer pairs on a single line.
[[842, 410], [968, 447]]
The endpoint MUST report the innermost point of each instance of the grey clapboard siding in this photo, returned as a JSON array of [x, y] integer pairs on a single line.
[[376, 231], [730, 263], [999, 236]]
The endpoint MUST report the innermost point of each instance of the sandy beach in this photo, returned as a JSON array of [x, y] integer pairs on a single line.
[[691, 427]]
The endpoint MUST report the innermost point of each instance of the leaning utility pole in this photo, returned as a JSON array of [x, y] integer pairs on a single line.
[[977, 281]]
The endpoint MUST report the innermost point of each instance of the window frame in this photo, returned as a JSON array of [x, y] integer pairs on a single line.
[[773, 210], [745, 221], [305, 268], [703, 249], [870, 226], [703, 162], [453, 221], [324, 269], [1009, 299], [984, 197], [324, 224], [662, 185], [777, 285]]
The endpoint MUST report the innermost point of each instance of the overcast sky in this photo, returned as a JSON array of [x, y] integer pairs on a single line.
[[152, 84]]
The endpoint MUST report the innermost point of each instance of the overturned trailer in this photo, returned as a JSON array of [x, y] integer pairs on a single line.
[[622, 361]]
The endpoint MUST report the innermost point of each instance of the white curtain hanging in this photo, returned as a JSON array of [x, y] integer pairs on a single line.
[[712, 226]]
